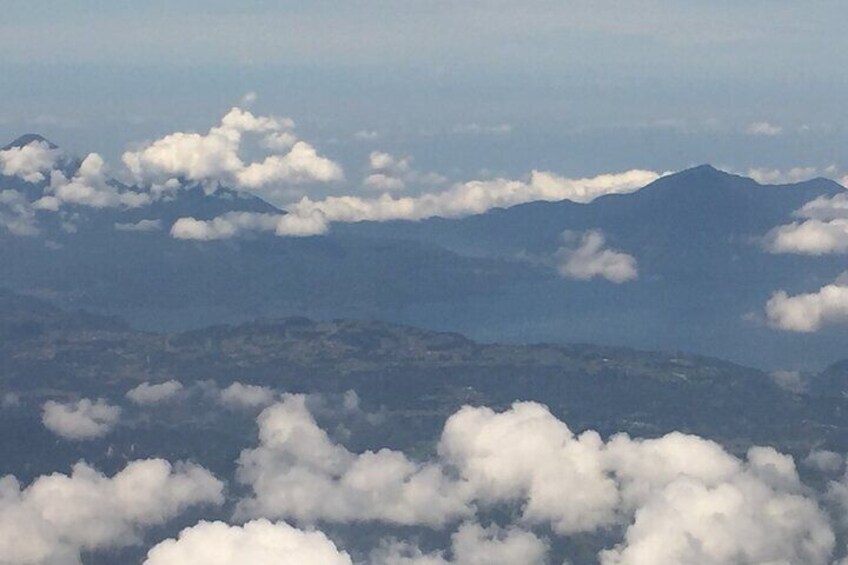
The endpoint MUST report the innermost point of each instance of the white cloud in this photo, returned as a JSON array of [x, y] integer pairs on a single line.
[[758, 514], [472, 544], [16, 214], [90, 186], [678, 498], [386, 162], [588, 258], [147, 394], [810, 237], [810, 312], [475, 197], [233, 224], [825, 461], [259, 542], [826, 208], [242, 396], [215, 158], [30, 162], [301, 165], [823, 229], [80, 420], [140, 226], [766, 129], [58, 516], [297, 472]]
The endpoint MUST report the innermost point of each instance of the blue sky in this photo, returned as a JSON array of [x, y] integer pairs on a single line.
[[576, 87]]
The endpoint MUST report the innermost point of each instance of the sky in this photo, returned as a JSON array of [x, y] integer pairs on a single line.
[[468, 88]]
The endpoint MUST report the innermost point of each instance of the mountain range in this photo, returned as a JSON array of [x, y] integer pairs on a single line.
[[703, 275]]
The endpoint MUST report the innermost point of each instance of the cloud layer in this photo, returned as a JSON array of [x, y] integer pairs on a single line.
[[309, 217], [679, 498]]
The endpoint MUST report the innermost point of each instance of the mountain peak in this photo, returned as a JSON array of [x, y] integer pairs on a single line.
[[28, 138]]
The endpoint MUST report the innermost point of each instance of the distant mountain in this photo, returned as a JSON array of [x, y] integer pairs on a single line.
[[28, 138], [703, 278], [703, 275]]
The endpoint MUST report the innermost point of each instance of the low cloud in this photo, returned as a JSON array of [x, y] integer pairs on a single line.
[[81, 420], [147, 394], [31, 162], [475, 197], [810, 237], [677, 499], [234, 224], [215, 157], [259, 541], [241, 396], [298, 472], [89, 186], [587, 257], [823, 229], [810, 312], [58, 516]]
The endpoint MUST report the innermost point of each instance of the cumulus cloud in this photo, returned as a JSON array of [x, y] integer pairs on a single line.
[[89, 186], [810, 237], [472, 544], [30, 162], [766, 129], [475, 197], [297, 472], [140, 226], [678, 498], [256, 542], [214, 157], [233, 224], [147, 394], [16, 214], [588, 258], [822, 230], [81, 420], [757, 514], [242, 396], [810, 312], [57, 516]]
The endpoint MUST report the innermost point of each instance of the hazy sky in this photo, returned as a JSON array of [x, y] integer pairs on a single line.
[[577, 87]]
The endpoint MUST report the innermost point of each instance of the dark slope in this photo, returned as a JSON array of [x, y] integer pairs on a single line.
[[704, 277]]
